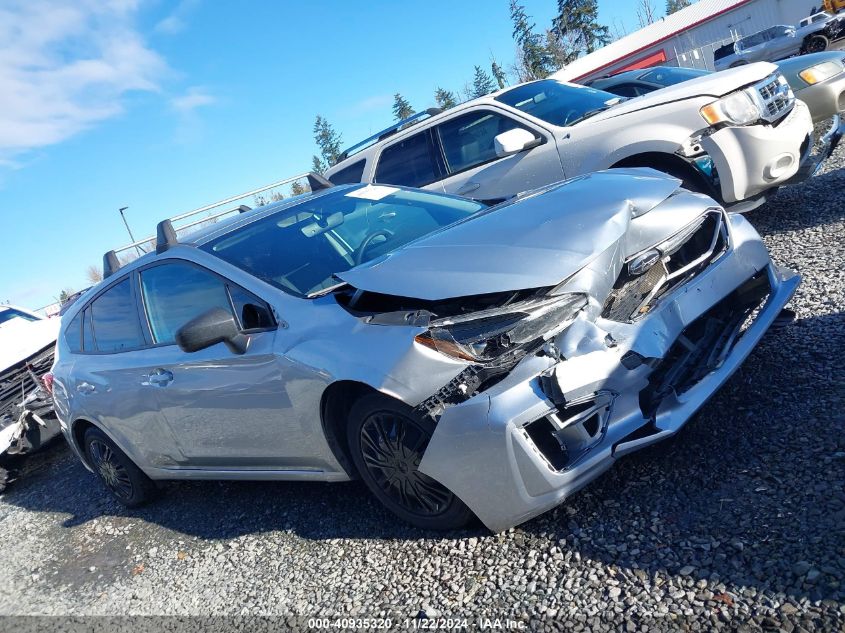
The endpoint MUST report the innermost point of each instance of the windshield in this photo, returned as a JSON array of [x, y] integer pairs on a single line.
[[558, 103], [299, 249], [671, 76], [10, 313]]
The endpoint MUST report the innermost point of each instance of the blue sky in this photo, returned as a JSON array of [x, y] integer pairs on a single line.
[[165, 106]]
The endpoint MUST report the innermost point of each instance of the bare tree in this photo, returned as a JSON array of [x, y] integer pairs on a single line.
[[94, 274], [646, 13]]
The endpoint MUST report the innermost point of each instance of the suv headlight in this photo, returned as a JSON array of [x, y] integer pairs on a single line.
[[821, 72], [737, 108], [486, 335]]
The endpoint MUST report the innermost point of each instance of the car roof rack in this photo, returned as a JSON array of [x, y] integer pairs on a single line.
[[110, 264], [388, 131], [166, 236]]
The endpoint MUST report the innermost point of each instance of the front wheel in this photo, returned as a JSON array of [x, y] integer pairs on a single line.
[[387, 440]]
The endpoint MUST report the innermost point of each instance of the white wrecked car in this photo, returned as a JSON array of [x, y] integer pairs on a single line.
[[27, 345]]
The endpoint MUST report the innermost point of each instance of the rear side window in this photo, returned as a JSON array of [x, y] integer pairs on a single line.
[[408, 162], [73, 334], [349, 175], [468, 140], [115, 320]]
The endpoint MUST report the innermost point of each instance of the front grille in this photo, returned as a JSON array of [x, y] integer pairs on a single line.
[[704, 344], [682, 257], [21, 380], [774, 97]]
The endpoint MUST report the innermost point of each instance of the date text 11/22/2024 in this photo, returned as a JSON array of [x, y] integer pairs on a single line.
[[419, 623]]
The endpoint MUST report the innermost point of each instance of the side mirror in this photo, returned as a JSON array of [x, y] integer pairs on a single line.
[[212, 327], [514, 141]]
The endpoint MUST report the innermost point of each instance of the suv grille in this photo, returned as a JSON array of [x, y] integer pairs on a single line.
[[775, 97], [21, 380], [682, 257]]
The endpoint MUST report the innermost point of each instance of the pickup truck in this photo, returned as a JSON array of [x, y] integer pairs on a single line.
[[779, 42], [27, 420], [735, 135]]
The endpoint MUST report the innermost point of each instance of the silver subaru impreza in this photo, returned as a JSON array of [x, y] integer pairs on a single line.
[[460, 359]]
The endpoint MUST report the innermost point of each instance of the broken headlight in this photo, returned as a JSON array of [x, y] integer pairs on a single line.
[[487, 335]]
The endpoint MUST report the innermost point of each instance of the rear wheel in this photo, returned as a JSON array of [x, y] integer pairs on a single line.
[[123, 478], [816, 44], [387, 440]]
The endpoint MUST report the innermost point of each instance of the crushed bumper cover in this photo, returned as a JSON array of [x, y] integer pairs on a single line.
[[637, 390], [752, 159], [829, 143]]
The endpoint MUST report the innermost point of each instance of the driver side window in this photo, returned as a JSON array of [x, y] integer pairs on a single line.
[[176, 292], [468, 140]]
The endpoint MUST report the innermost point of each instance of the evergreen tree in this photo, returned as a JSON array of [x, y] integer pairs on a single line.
[[577, 22], [482, 83], [297, 188], [498, 75], [328, 141], [445, 99], [534, 62], [676, 5], [401, 108]]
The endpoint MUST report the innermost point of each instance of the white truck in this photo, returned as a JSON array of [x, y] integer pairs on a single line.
[[735, 135], [27, 421]]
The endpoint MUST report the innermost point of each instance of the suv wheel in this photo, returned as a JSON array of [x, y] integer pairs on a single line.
[[387, 440], [123, 478]]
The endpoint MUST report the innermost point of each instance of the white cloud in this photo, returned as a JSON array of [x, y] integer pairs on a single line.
[[66, 66], [195, 97], [176, 22]]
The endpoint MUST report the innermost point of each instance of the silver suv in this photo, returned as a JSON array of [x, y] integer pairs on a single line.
[[735, 136], [459, 359]]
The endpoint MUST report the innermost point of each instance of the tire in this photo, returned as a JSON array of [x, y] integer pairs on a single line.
[[690, 180], [816, 44], [387, 440], [123, 478]]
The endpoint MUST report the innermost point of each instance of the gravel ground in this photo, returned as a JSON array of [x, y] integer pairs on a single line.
[[739, 521]]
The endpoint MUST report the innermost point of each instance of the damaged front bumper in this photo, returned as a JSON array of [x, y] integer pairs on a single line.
[[829, 143], [550, 427], [753, 159]]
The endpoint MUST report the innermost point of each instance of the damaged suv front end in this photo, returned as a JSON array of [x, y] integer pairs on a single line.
[[663, 296]]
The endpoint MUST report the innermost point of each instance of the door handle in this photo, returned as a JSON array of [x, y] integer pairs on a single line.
[[85, 388], [468, 187], [160, 378]]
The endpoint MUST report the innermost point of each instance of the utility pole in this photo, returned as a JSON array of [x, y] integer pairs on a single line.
[[128, 230]]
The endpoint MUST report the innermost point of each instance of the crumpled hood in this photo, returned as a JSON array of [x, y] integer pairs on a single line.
[[537, 241], [714, 85], [20, 339]]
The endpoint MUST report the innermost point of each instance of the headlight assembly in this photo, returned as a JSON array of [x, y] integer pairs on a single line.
[[737, 108], [821, 72], [489, 334]]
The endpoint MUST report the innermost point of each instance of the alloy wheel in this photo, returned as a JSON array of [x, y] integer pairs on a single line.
[[112, 472], [392, 447]]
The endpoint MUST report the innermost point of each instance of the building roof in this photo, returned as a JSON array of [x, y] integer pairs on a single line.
[[663, 29]]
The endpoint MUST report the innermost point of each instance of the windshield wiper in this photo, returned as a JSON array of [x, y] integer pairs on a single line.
[[596, 111]]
